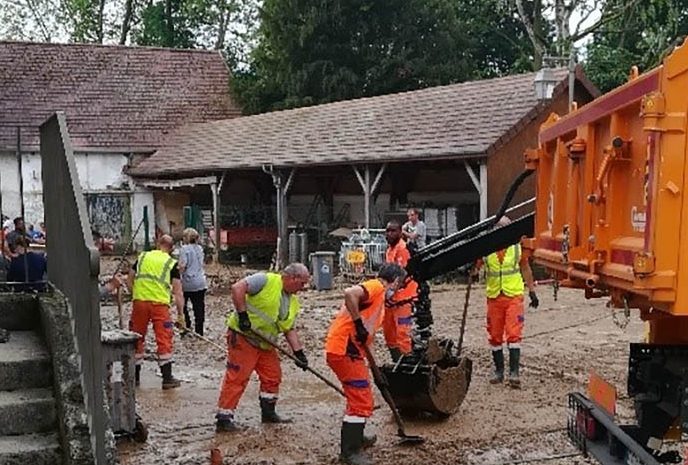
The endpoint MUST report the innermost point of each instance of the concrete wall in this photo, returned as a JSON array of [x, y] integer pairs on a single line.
[[169, 212], [101, 177]]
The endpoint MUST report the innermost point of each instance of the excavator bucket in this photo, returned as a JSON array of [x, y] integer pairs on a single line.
[[434, 381]]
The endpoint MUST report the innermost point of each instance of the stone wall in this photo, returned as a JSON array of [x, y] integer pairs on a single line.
[[74, 428]]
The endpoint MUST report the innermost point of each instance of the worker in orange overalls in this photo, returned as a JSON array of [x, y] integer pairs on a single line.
[[265, 303], [355, 325], [398, 320], [153, 281], [506, 271]]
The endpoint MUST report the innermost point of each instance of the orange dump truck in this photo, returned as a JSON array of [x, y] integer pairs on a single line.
[[612, 219]]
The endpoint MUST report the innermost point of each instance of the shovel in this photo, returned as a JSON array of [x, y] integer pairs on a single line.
[[291, 356], [283, 351], [380, 382]]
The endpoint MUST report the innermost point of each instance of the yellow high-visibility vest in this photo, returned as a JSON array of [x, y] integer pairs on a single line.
[[263, 308], [152, 280], [504, 277]]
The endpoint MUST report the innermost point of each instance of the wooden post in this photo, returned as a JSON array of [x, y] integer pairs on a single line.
[[480, 184], [216, 190], [282, 187], [368, 189], [216, 220], [20, 164], [483, 190]]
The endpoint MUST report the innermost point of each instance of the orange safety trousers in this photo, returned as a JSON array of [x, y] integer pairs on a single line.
[[353, 374], [396, 327], [243, 358], [505, 320], [398, 319], [143, 313]]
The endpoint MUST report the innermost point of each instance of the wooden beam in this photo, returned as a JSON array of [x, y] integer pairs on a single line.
[[483, 190], [176, 183], [472, 175], [216, 219]]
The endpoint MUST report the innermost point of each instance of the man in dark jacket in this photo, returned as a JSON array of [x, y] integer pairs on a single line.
[[28, 268]]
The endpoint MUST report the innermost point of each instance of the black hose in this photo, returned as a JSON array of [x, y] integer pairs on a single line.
[[510, 194]]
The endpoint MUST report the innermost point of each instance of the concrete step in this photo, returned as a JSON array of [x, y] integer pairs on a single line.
[[34, 449], [27, 411], [19, 312], [24, 362]]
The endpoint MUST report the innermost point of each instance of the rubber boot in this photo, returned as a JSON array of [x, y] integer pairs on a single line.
[[396, 354], [369, 440], [169, 381], [137, 375], [352, 444], [514, 362], [225, 424], [268, 414], [498, 359]]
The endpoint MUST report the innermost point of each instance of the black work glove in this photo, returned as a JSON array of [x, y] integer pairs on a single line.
[[244, 321], [301, 360], [361, 332], [534, 301]]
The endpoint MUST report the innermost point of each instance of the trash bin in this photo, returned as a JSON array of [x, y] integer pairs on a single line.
[[322, 264], [119, 381]]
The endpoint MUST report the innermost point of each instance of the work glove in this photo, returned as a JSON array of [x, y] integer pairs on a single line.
[[301, 360], [361, 332], [244, 321], [180, 324], [534, 301]]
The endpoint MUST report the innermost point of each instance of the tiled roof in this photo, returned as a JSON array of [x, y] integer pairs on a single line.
[[467, 119], [115, 98]]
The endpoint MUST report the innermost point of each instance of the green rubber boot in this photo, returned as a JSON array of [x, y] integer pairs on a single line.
[[498, 374], [514, 362]]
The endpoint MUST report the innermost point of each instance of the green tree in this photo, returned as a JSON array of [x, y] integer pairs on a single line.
[[32, 20], [642, 36], [312, 52], [497, 40], [85, 19], [170, 23]]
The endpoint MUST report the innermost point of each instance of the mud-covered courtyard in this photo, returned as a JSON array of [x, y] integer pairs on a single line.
[[564, 340]]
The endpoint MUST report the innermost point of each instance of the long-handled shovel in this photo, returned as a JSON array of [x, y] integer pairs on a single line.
[[291, 356], [380, 382], [203, 338]]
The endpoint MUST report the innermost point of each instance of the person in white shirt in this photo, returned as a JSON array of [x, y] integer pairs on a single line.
[[414, 230]]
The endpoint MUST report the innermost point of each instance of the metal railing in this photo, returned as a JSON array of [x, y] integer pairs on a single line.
[[364, 253]]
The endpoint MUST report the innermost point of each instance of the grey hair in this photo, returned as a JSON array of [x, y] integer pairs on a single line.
[[296, 269], [190, 235]]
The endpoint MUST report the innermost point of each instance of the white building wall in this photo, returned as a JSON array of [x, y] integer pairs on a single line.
[[140, 198], [98, 173]]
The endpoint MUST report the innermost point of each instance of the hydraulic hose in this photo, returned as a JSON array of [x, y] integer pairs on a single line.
[[510, 194]]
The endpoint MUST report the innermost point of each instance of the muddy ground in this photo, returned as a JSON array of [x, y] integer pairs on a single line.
[[564, 340]]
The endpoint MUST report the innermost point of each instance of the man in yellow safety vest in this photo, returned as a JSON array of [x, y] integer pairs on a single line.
[[506, 271], [265, 303], [154, 280]]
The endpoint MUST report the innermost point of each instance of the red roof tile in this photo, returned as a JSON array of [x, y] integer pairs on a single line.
[[115, 98], [467, 119]]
